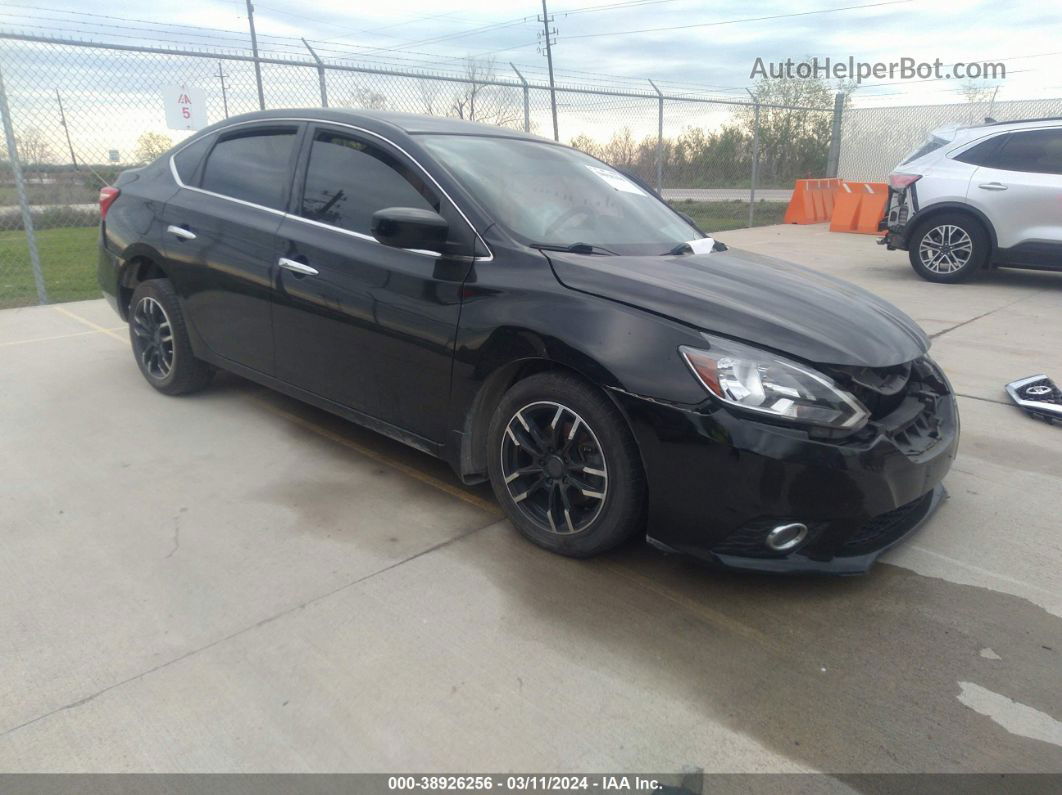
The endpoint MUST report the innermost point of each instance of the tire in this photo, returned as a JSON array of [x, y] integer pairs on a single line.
[[949, 248], [576, 485], [167, 364]]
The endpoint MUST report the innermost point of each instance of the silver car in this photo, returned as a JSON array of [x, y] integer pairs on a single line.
[[974, 197]]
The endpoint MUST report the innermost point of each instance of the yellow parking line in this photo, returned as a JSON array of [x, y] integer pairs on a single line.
[[55, 337], [430, 480], [90, 324]]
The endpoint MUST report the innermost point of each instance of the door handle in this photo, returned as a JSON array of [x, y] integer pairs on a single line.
[[181, 232], [296, 267], [992, 186]]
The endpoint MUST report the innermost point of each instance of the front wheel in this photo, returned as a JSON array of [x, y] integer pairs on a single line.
[[160, 340], [564, 466], [948, 248]]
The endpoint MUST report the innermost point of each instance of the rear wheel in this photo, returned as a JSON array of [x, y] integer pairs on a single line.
[[948, 248], [564, 466], [160, 340]]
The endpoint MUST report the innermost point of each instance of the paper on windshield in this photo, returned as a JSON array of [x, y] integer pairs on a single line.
[[702, 245], [617, 180]]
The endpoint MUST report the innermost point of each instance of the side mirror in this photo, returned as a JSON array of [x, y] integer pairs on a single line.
[[410, 227]]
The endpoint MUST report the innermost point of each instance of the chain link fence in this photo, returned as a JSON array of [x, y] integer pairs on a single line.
[[77, 113], [875, 140]]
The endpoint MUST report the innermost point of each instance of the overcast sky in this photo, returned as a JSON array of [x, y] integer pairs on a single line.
[[593, 35]]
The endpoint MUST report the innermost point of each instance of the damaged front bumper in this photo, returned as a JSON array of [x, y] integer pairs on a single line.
[[720, 484]]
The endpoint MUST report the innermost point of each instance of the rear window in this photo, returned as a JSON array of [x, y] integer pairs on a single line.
[[254, 166], [931, 144], [188, 159]]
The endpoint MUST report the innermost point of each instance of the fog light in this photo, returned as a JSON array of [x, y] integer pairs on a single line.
[[786, 536]]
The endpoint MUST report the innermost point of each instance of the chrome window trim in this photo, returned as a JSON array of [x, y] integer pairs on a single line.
[[359, 235]]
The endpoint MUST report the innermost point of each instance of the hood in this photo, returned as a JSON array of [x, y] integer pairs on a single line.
[[756, 299]]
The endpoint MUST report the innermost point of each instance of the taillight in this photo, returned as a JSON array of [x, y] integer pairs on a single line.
[[107, 197], [901, 181]]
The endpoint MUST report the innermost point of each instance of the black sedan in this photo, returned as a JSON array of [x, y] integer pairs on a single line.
[[538, 319]]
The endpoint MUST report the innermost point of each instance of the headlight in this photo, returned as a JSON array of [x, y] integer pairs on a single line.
[[765, 383]]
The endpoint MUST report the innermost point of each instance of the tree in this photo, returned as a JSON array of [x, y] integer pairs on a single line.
[[979, 94], [429, 96], [479, 100], [368, 99], [151, 146], [794, 140], [34, 150]]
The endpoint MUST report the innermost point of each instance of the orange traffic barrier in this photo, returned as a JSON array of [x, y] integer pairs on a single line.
[[858, 207], [812, 201]]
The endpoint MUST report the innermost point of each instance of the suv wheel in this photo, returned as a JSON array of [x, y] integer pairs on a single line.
[[948, 248], [564, 466], [160, 340]]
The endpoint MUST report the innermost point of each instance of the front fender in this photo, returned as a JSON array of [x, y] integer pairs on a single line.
[[611, 345]]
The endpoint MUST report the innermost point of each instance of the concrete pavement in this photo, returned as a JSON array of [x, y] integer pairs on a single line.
[[236, 582]]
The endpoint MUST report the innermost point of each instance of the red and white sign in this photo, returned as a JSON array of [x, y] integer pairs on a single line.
[[185, 107]]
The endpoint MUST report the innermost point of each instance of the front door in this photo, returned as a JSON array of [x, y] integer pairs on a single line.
[[1020, 190], [364, 325]]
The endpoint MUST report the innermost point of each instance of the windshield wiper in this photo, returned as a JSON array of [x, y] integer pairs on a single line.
[[574, 248]]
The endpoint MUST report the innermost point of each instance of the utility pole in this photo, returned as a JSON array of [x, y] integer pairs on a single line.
[[62, 121], [254, 50], [224, 94], [549, 60]]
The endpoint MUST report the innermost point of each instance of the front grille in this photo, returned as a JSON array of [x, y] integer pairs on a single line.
[[886, 528], [880, 389]]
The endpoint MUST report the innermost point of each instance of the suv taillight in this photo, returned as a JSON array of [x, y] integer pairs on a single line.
[[902, 181], [107, 197]]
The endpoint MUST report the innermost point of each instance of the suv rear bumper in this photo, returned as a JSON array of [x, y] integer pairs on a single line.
[[896, 222]]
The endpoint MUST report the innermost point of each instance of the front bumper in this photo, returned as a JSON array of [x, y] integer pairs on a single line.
[[718, 482]]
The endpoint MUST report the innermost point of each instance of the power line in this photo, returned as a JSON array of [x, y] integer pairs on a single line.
[[737, 21], [379, 54]]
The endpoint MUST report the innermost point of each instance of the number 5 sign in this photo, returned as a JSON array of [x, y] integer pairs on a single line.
[[185, 107]]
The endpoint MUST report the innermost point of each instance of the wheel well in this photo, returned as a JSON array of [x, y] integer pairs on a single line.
[[956, 209], [474, 443], [138, 269]]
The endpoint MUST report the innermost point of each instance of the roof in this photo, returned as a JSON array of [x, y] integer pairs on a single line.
[[1044, 121], [376, 120]]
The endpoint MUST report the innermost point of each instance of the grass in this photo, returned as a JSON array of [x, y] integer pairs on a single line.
[[720, 216], [68, 254], [49, 193], [68, 262]]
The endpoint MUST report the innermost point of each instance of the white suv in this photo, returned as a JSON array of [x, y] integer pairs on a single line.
[[973, 197]]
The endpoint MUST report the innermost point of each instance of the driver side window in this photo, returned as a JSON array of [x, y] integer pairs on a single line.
[[347, 180]]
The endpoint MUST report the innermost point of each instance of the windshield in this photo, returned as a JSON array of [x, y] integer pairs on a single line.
[[553, 196]]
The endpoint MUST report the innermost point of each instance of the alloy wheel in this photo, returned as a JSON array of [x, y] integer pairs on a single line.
[[945, 249], [554, 467], [154, 337]]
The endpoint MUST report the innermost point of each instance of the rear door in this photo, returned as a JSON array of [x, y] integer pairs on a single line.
[[367, 326], [1019, 188], [220, 239]]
